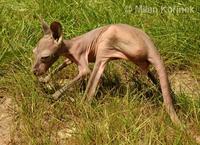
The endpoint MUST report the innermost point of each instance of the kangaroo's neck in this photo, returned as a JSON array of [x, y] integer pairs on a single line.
[[69, 49], [64, 48]]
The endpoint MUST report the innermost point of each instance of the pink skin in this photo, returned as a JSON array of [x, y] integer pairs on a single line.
[[118, 41]]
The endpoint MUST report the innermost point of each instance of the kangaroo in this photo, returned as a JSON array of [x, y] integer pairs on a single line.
[[101, 45]]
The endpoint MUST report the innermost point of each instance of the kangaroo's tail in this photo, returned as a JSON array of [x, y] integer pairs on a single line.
[[154, 58], [157, 62]]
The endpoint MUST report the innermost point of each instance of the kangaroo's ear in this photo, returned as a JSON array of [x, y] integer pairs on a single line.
[[56, 30], [45, 27]]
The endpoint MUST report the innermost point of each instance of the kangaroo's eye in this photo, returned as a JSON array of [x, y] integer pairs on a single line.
[[46, 58]]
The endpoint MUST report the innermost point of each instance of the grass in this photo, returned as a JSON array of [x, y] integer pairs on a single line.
[[122, 113]]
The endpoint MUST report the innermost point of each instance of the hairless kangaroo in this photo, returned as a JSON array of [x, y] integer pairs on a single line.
[[117, 41]]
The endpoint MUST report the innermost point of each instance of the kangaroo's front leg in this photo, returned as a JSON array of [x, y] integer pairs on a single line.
[[81, 75], [59, 68], [63, 65], [94, 79]]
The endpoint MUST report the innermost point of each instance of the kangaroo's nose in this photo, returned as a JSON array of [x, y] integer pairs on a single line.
[[35, 72]]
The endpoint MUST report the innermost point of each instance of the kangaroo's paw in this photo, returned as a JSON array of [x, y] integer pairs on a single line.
[[56, 95], [45, 80]]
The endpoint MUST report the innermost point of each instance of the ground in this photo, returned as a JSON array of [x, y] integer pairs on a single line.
[[6, 119], [180, 80]]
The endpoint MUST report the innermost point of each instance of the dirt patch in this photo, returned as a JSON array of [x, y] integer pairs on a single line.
[[184, 81], [6, 118]]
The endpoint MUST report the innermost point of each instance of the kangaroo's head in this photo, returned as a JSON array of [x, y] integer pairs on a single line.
[[47, 50]]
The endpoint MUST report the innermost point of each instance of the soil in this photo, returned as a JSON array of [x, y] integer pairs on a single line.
[[6, 119], [184, 81]]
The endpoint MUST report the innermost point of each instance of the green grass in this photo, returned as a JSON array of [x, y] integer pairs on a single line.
[[122, 113]]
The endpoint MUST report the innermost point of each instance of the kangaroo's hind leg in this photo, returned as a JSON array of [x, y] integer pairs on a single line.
[[154, 80], [144, 67]]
